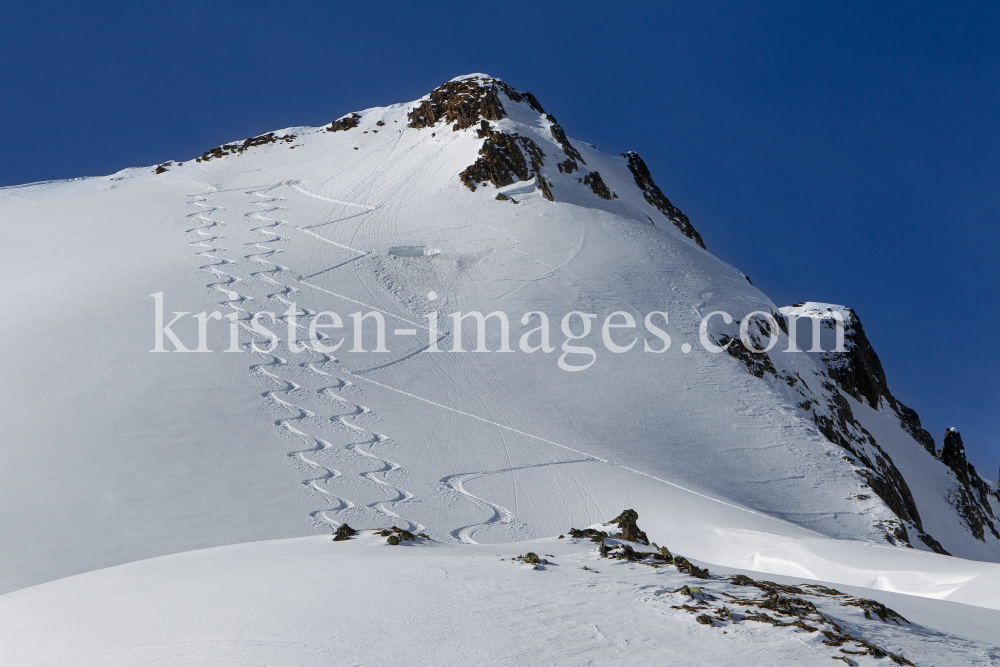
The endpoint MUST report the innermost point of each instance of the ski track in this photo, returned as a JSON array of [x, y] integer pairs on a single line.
[[269, 272], [316, 444], [394, 494], [281, 397], [262, 255], [501, 515], [233, 299]]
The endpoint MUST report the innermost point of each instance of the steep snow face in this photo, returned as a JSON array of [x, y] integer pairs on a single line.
[[471, 199]]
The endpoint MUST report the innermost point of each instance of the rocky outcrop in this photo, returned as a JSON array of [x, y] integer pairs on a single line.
[[503, 159], [345, 123], [953, 454], [239, 147], [546, 188], [596, 184], [464, 102], [657, 199], [858, 372], [976, 511], [515, 96], [560, 136], [628, 522], [567, 166], [830, 411]]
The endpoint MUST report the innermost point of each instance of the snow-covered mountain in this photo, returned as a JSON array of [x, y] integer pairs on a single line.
[[471, 199]]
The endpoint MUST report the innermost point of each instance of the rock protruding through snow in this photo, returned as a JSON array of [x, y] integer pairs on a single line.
[[657, 199]]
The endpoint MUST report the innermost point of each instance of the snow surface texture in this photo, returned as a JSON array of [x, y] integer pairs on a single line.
[[113, 454], [311, 602]]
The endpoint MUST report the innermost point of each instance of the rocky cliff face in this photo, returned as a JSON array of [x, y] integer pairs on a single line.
[[823, 402], [972, 497], [857, 372]]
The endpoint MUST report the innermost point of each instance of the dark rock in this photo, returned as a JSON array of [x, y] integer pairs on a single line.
[[501, 197], [596, 183], [684, 565], [657, 199], [560, 136], [345, 123], [545, 188], [953, 455], [344, 532], [525, 97], [630, 531], [933, 544], [460, 103], [835, 420], [758, 363], [705, 620], [872, 606], [858, 371], [568, 166], [229, 149], [504, 159], [977, 512]]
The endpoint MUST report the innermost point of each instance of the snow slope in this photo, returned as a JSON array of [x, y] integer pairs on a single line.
[[311, 601], [113, 454]]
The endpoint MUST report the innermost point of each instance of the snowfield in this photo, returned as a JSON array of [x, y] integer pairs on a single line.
[[311, 601], [114, 454]]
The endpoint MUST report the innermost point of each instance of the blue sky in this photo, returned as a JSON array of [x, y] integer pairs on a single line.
[[841, 152]]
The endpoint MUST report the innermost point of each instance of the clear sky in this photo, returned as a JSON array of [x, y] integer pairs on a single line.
[[846, 152]]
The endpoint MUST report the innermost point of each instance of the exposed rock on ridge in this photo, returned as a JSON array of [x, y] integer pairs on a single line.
[[346, 123], [657, 199], [560, 136], [596, 184], [858, 372], [977, 512], [832, 415], [239, 147], [465, 101]]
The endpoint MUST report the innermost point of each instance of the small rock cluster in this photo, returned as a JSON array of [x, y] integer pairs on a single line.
[[395, 534], [398, 535], [231, 149], [346, 123], [344, 532]]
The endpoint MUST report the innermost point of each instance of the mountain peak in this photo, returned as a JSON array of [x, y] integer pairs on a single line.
[[465, 100]]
